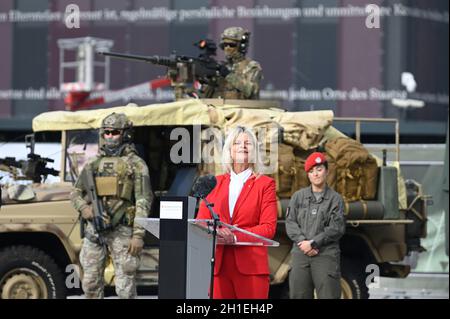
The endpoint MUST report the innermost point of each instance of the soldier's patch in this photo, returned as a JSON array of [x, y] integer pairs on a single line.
[[108, 166]]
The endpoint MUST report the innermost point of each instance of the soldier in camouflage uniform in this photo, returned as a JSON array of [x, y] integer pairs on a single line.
[[123, 185], [241, 76]]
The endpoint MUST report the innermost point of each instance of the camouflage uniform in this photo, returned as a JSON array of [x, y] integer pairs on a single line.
[[245, 75], [131, 196]]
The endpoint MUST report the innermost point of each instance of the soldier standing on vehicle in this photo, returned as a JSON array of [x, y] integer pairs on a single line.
[[241, 76], [122, 183], [315, 223]]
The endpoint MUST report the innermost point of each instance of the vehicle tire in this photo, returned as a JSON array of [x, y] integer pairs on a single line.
[[29, 273], [353, 280], [280, 291]]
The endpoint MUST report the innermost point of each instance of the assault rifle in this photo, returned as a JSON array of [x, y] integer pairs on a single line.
[[184, 69], [34, 168]]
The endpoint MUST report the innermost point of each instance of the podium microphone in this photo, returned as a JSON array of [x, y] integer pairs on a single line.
[[203, 186]]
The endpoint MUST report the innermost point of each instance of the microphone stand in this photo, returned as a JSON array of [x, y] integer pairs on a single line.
[[216, 220]]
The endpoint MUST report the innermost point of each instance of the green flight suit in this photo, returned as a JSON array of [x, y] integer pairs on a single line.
[[323, 222]]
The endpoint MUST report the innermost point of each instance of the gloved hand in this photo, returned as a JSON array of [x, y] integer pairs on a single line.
[[87, 213], [223, 70], [135, 246]]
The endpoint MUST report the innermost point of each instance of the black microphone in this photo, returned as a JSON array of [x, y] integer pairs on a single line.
[[203, 186]]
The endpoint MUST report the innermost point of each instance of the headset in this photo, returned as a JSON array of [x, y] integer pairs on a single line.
[[243, 43], [243, 47]]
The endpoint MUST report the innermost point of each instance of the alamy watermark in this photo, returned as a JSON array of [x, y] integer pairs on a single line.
[[373, 16], [72, 16], [206, 146], [73, 276], [373, 279]]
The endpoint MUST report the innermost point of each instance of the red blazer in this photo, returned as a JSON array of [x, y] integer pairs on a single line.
[[255, 211]]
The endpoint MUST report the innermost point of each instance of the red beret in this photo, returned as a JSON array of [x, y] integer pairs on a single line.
[[314, 159]]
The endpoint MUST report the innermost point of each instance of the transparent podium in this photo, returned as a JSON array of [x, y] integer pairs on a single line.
[[186, 246], [243, 237]]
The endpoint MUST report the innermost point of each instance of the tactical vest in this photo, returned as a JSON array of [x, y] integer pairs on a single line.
[[115, 184]]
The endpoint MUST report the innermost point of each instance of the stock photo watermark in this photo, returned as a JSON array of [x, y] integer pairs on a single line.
[[72, 16], [73, 280], [207, 146], [373, 277], [373, 16]]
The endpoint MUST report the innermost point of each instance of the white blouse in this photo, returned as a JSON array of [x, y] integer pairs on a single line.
[[237, 182]]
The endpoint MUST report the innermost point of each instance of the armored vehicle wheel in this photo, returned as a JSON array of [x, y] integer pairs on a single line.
[[279, 291], [29, 273], [353, 280]]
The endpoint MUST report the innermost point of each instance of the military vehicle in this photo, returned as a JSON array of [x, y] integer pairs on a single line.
[[40, 234]]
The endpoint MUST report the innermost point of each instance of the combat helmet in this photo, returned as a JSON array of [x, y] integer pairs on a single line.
[[236, 34], [120, 122]]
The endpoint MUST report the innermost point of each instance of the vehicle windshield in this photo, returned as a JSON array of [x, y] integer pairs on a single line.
[[81, 145]]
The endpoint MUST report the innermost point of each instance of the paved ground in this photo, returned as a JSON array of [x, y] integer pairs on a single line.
[[416, 286]]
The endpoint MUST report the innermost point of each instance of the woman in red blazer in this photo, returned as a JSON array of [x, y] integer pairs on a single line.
[[247, 199]]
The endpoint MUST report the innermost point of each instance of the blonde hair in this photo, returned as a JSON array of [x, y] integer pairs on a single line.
[[254, 156]]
